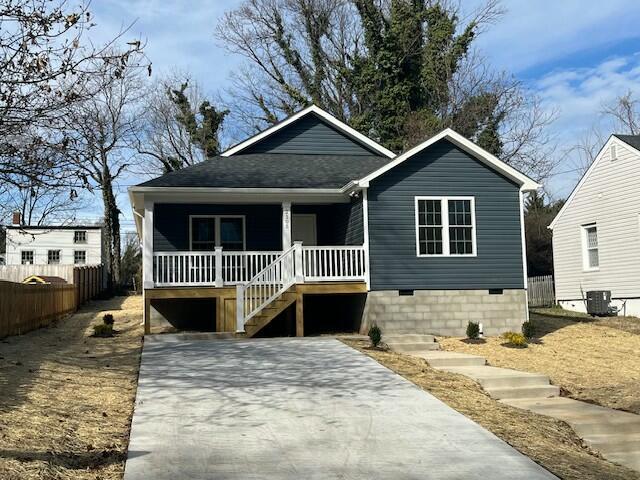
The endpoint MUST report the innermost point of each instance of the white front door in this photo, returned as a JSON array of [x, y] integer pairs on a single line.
[[303, 228]]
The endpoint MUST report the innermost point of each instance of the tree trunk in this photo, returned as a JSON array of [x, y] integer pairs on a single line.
[[112, 227]]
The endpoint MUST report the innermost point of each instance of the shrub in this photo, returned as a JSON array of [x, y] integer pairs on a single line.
[[473, 330], [528, 330], [103, 330], [375, 335], [107, 319], [515, 339]]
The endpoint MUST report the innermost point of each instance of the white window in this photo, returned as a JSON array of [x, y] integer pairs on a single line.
[[53, 257], [26, 257], [80, 236], [445, 226], [79, 257], [208, 232], [590, 253]]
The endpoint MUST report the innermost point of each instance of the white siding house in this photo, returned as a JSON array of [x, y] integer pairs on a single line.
[[54, 245], [596, 235]]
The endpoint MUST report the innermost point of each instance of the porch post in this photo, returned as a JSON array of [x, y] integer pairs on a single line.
[[286, 225], [218, 267], [297, 258], [239, 308], [147, 245]]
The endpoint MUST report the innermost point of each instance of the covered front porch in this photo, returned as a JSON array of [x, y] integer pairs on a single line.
[[253, 259]]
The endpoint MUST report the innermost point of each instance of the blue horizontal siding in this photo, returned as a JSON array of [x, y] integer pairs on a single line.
[[444, 170], [263, 224], [309, 135]]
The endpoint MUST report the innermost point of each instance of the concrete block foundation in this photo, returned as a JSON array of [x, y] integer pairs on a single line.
[[445, 312]]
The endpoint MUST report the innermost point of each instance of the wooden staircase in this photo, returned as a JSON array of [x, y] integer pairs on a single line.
[[271, 311]]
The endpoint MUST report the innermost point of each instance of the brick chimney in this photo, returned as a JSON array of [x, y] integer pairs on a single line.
[[17, 220]]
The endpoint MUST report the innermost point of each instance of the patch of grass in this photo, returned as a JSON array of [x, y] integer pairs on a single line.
[[549, 442], [103, 330]]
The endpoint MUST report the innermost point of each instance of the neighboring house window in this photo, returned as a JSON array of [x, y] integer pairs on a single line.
[[227, 232], [445, 226], [79, 257], [53, 257], [26, 257], [590, 242], [80, 236]]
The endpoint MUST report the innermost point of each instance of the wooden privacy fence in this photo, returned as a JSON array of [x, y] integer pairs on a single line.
[[541, 291], [89, 282], [27, 307]]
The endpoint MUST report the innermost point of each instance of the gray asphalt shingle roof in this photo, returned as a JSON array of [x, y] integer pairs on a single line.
[[265, 170], [633, 140]]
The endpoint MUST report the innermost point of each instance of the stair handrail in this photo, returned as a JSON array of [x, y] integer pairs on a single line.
[[265, 286]]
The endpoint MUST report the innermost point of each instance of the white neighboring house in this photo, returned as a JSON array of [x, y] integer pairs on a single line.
[[54, 245], [596, 235]]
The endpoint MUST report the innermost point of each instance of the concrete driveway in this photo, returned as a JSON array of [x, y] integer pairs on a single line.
[[299, 409]]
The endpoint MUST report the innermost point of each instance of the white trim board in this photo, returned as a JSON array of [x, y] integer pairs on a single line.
[[343, 127], [526, 183], [611, 141]]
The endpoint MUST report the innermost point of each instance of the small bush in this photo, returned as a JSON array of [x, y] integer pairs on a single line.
[[375, 335], [473, 330], [528, 330], [107, 319], [515, 339], [102, 330]]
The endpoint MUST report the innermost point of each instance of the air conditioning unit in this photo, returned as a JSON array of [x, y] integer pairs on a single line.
[[599, 303]]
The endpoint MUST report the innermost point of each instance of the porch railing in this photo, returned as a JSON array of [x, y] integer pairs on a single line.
[[218, 268]]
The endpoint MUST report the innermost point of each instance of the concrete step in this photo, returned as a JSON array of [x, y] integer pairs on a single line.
[[442, 359], [628, 459], [614, 443], [496, 377], [539, 391], [413, 347], [408, 338], [605, 426]]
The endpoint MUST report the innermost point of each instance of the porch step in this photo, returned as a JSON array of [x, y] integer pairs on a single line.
[[271, 311]]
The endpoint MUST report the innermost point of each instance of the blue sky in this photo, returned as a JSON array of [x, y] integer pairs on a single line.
[[575, 54]]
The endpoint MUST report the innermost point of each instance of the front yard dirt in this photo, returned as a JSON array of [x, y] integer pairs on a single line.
[[66, 398], [547, 441], [589, 360]]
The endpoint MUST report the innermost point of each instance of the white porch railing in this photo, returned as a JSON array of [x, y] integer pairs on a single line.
[[218, 268], [266, 286], [334, 263]]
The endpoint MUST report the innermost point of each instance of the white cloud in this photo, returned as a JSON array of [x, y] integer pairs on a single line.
[[579, 95]]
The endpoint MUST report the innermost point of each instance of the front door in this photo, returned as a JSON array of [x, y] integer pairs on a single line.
[[303, 228]]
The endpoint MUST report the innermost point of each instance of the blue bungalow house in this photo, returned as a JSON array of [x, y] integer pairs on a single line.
[[310, 226]]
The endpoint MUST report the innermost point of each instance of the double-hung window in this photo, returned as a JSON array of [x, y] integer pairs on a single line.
[[208, 232], [445, 226], [26, 257], [79, 257], [591, 257], [80, 236], [53, 257]]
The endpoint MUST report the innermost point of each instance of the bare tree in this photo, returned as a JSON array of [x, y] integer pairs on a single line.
[[625, 113], [101, 130], [163, 138], [47, 63]]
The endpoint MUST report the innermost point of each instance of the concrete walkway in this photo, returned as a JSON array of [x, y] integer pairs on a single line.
[[613, 433], [299, 408]]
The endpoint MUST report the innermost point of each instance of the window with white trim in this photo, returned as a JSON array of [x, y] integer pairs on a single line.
[[591, 255], [80, 236], [53, 257], [445, 226], [26, 257], [79, 257], [208, 232]]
